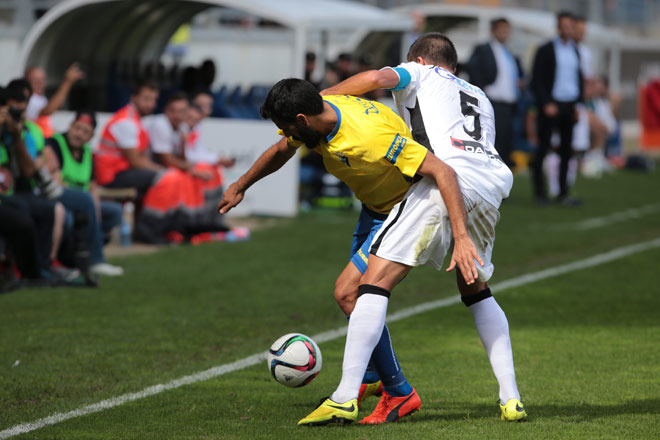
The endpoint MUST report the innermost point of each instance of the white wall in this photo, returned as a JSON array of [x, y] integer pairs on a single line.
[[276, 195], [9, 54]]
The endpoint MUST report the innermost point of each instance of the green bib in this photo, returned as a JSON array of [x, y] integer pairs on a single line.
[[4, 157], [75, 174]]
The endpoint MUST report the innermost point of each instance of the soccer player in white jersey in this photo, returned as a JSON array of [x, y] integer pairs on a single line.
[[455, 120]]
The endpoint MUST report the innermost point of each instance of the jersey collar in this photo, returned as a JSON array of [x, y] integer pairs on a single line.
[[334, 132]]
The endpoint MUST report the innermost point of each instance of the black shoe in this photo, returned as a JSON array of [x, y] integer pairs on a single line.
[[542, 200], [569, 201]]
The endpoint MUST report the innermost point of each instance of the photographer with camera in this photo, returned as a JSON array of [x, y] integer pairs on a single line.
[[19, 172]]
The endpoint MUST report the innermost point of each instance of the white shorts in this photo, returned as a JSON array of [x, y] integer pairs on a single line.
[[418, 231]]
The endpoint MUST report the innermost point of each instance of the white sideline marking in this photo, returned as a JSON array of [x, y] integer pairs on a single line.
[[597, 222], [249, 361]]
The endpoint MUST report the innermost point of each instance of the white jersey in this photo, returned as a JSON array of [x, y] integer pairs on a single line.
[[455, 120]]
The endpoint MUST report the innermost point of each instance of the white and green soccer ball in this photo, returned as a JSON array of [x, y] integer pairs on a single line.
[[294, 360]]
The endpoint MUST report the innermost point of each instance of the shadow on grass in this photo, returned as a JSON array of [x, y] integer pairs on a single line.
[[574, 412]]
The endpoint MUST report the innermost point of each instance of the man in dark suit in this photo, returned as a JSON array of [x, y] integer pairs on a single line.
[[498, 73], [557, 86]]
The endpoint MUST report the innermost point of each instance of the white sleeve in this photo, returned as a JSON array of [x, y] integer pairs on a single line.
[[126, 133], [409, 76], [34, 107], [161, 135]]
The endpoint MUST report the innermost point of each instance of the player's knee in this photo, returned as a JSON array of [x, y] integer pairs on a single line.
[[346, 295], [472, 289]]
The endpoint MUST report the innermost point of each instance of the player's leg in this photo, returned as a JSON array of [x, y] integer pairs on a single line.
[[489, 318], [346, 292], [365, 330], [493, 329], [398, 398], [365, 327], [383, 363]]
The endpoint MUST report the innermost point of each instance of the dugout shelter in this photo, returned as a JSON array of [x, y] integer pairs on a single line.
[[98, 33]]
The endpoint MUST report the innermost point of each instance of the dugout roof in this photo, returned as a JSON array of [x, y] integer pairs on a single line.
[[96, 31]]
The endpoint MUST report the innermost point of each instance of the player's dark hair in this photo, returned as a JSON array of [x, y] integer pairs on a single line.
[[144, 84], [564, 14], [435, 48], [290, 97], [498, 21], [579, 18]]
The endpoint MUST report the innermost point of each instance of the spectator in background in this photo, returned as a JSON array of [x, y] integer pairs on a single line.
[[166, 135], [557, 87], [20, 154], [207, 73], [499, 74], [69, 160], [344, 66], [122, 160], [606, 107], [40, 108], [17, 227], [204, 101], [310, 66], [169, 133], [181, 205], [199, 79], [195, 151]]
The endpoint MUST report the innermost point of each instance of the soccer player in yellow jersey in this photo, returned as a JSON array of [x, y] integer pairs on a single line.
[[368, 147]]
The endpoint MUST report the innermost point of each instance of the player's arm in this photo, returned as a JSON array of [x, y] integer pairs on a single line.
[[464, 250], [365, 82], [270, 161]]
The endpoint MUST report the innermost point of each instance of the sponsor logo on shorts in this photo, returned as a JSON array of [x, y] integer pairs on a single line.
[[475, 147], [395, 149], [364, 257]]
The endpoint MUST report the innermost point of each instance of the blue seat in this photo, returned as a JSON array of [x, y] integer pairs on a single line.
[[255, 98], [220, 108]]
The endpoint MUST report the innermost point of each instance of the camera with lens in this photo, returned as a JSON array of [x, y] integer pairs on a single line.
[[15, 113]]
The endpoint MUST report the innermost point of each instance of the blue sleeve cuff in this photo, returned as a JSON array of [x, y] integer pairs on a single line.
[[404, 79]]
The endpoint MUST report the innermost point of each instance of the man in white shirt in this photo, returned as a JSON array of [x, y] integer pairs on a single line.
[[39, 107], [168, 133], [493, 68]]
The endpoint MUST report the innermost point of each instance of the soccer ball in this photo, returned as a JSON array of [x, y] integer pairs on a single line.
[[294, 360]]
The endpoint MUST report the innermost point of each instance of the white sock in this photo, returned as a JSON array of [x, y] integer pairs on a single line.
[[364, 330], [493, 329]]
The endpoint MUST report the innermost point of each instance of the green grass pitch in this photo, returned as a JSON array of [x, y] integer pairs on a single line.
[[586, 343]]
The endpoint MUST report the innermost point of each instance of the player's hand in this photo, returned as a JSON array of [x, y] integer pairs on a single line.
[[230, 198], [464, 255]]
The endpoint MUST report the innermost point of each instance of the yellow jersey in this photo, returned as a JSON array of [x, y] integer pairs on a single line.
[[371, 150]]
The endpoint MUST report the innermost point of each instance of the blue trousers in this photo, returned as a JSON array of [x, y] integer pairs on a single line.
[[76, 201]]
